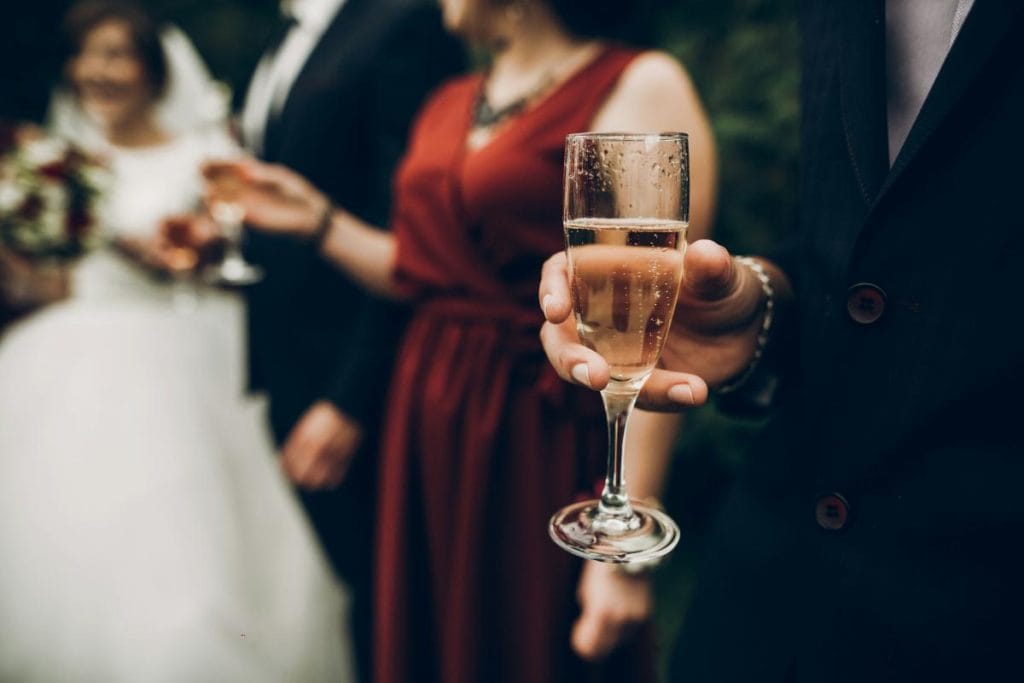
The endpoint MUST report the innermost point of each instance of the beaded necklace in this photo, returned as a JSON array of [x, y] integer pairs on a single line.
[[485, 115]]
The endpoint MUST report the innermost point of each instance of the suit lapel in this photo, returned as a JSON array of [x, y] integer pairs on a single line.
[[337, 37], [862, 92], [985, 28]]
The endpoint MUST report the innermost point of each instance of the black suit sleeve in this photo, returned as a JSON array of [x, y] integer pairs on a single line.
[[416, 57]]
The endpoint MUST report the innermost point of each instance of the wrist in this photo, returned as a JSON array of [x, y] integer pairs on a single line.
[[325, 221]]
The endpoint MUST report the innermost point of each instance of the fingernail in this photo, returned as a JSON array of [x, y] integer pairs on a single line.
[[681, 393], [581, 373], [544, 304]]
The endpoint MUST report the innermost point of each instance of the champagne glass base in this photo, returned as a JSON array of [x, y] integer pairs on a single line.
[[238, 273], [584, 531]]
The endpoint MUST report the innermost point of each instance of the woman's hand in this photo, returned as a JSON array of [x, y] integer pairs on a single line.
[[275, 198], [613, 604], [25, 285], [178, 233], [712, 339], [279, 200]]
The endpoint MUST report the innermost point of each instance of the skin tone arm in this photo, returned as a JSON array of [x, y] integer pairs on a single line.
[[367, 254]]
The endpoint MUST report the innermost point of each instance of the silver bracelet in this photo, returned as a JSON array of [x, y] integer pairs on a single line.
[[323, 226], [766, 325]]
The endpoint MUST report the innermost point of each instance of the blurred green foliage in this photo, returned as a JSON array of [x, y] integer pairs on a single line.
[[742, 55]]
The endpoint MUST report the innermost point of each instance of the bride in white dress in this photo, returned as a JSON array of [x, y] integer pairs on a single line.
[[145, 531]]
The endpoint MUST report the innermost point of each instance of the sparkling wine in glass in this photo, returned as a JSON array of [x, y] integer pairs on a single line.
[[227, 184], [181, 259], [626, 214]]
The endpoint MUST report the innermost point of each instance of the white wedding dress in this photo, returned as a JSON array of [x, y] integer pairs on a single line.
[[146, 532]]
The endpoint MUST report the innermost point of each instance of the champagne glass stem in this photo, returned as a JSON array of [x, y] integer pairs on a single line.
[[618, 405], [234, 251], [232, 235]]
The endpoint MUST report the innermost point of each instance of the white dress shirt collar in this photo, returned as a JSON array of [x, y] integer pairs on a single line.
[[276, 73], [312, 15], [919, 35]]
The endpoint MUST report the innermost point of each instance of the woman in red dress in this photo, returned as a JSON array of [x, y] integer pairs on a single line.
[[482, 442]]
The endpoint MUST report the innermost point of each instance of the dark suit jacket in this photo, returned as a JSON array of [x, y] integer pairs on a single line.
[[910, 417], [312, 333]]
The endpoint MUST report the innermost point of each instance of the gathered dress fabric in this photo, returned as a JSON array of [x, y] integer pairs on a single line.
[[146, 531], [482, 441]]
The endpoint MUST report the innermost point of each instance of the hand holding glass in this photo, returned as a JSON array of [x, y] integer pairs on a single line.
[[226, 184], [626, 213]]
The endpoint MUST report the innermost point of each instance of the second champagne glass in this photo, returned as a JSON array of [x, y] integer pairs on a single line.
[[626, 215], [181, 259], [227, 183]]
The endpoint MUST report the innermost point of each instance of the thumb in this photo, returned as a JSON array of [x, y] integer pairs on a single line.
[[709, 272], [593, 636], [717, 294]]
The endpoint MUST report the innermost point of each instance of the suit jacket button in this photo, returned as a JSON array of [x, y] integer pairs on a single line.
[[865, 303], [832, 512]]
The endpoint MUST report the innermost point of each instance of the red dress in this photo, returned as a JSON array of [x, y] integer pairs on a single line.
[[482, 441]]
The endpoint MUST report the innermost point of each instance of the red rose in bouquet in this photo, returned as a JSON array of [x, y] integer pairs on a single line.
[[49, 191]]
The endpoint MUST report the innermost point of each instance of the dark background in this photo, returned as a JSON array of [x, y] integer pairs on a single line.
[[742, 55]]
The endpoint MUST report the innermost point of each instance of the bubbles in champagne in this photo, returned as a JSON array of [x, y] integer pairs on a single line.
[[625, 277]]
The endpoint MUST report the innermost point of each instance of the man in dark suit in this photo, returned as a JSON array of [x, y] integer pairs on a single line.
[[874, 535], [333, 99]]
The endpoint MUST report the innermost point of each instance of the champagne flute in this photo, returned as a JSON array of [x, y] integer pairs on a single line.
[[226, 184], [626, 214], [181, 259]]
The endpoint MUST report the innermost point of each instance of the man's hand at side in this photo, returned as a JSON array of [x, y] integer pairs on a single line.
[[320, 448]]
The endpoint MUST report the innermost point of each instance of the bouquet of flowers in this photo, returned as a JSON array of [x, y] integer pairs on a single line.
[[49, 192]]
